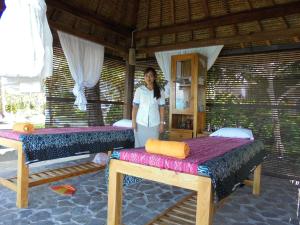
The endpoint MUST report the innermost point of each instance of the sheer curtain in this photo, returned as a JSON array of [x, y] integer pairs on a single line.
[[25, 40], [164, 59], [85, 60]]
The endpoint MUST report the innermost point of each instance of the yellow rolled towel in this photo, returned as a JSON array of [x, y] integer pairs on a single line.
[[23, 127], [175, 149]]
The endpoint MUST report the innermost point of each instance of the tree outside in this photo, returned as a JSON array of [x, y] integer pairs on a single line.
[[263, 97]]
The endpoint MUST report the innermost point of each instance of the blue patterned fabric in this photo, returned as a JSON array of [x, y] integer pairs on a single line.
[[221, 167], [227, 171], [40, 147], [230, 169]]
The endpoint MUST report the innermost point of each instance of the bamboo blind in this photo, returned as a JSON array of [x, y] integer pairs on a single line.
[[260, 92], [104, 102]]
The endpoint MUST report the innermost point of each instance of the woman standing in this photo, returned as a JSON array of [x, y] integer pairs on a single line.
[[148, 109]]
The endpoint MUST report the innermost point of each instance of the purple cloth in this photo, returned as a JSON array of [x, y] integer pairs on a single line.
[[10, 134], [201, 150]]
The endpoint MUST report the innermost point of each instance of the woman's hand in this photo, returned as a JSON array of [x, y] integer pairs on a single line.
[[161, 128], [134, 126]]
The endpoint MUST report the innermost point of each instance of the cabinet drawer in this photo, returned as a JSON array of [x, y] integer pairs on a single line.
[[179, 135]]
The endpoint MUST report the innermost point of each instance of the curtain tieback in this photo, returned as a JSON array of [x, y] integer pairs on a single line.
[[80, 101]]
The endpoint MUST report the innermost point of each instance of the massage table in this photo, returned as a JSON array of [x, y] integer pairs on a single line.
[[54, 143], [215, 167]]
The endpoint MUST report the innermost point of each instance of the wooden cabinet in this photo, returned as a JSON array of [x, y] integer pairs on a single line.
[[187, 96]]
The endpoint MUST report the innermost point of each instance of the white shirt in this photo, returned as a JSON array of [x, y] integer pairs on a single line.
[[148, 111]]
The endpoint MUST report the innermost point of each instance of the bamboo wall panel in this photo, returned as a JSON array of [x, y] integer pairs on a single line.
[[197, 12], [273, 24], [216, 8], [201, 34], [182, 12], [238, 5], [166, 13], [249, 27], [293, 20]]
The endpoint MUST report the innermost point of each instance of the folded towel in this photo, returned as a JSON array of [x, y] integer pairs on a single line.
[[169, 148], [65, 189], [23, 127]]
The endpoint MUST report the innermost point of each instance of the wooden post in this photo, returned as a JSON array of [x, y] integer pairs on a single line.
[[129, 87], [205, 205], [115, 189], [22, 180], [256, 180]]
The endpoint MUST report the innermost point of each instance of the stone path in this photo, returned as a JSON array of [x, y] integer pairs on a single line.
[[276, 206]]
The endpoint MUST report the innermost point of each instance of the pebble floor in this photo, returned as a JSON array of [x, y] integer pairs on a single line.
[[277, 204]]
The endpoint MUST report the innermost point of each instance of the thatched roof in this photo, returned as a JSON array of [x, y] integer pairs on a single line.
[[172, 24]]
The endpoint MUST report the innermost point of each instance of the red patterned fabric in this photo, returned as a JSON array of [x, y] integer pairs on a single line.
[[201, 150]]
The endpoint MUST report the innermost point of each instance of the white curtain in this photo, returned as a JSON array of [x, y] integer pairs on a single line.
[[25, 40], [22, 84], [85, 60], [164, 59]]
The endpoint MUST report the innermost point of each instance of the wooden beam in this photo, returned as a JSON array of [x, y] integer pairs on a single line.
[[241, 17], [99, 6], [172, 11], [97, 39], [148, 17], [259, 36], [190, 16], [260, 49], [261, 28], [91, 17], [160, 19], [136, 11], [207, 15], [173, 17], [122, 7], [236, 29], [296, 39]]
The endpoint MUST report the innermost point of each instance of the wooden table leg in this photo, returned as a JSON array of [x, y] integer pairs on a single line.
[[205, 204], [22, 180], [256, 180], [115, 189]]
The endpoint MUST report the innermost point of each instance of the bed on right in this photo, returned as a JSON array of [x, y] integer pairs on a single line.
[[215, 167]]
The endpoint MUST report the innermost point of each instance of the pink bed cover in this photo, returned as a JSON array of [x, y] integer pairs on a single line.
[[202, 150], [10, 134]]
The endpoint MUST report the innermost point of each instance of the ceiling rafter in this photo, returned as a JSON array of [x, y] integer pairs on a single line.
[[136, 10], [296, 38], [99, 6], [236, 29], [258, 36], [124, 9], [173, 17], [246, 16], [160, 19], [91, 17], [97, 39], [190, 16], [148, 17], [207, 15], [261, 28]]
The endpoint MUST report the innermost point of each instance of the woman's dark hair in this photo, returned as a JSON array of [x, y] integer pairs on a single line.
[[156, 87]]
